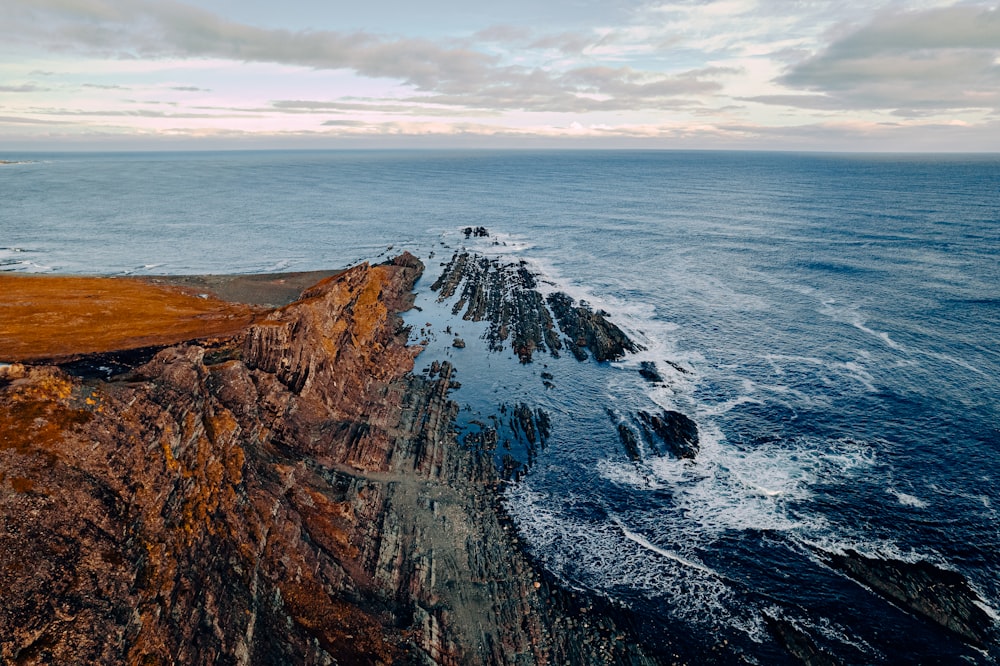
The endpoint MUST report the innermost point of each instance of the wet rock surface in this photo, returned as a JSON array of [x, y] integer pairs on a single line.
[[589, 330], [671, 430], [289, 494], [798, 642], [506, 295], [939, 595]]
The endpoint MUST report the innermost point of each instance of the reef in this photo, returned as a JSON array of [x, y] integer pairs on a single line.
[[278, 489]]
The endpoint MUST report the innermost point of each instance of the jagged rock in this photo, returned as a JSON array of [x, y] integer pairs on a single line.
[[942, 596], [678, 432], [291, 494], [506, 295], [458, 343], [477, 232], [648, 371], [589, 329]]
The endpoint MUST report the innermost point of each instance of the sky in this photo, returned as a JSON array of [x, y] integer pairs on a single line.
[[883, 75]]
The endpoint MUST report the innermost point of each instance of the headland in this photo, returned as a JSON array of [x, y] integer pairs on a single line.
[[214, 469]]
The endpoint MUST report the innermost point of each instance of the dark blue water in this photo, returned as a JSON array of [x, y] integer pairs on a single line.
[[830, 322]]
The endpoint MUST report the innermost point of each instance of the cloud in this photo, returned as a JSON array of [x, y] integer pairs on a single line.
[[935, 59], [376, 106], [101, 86], [189, 89], [164, 28], [819, 101], [452, 75], [23, 88], [18, 120]]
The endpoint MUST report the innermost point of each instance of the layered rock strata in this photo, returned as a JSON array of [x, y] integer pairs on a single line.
[[286, 493], [939, 595], [506, 295]]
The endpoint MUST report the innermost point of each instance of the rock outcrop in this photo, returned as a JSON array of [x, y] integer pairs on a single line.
[[507, 296], [289, 493], [674, 430], [942, 596]]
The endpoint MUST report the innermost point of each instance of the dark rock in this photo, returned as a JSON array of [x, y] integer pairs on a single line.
[[477, 232], [458, 343], [590, 329], [940, 595], [629, 442], [504, 295], [648, 371], [678, 432]]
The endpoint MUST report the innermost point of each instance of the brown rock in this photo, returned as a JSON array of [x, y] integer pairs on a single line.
[[290, 493]]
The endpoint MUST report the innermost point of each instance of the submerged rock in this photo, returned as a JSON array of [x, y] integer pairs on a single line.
[[798, 642], [940, 595], [648, 371]]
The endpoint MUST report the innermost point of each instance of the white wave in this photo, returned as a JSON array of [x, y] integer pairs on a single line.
[[987, 609], [973, 497], [857, 372], [603, 554], [278, 266], [725, 406], [16, 259], [907, 500], [496, 245], [26, 267], [627, 474], [864, 545], [851, 315], [645, 543], [956, 361], [735, 488], [837, 634]]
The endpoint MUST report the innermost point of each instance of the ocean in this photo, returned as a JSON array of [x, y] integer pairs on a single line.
[[830, 322]]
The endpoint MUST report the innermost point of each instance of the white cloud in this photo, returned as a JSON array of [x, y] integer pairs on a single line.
[[938, 59], [724, 72]]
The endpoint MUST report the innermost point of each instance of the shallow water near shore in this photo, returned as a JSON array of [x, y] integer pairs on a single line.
[[829, 322]]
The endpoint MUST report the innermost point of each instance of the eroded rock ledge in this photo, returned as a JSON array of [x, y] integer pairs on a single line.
[[288, 493]]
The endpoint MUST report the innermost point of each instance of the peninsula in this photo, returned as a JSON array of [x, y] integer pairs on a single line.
[[187, 478]]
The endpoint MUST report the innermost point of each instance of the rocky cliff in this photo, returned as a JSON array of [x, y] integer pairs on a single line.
[[286, 493]]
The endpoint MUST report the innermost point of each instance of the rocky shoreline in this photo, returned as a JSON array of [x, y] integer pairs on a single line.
[[247, 470], [286, 493]]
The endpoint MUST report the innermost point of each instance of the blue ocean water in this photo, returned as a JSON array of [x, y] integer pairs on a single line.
[[829, 321]]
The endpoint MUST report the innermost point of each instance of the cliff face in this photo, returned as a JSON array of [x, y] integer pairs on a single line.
[[288, 494]]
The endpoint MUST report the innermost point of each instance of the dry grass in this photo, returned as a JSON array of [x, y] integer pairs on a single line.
[[51, 317]]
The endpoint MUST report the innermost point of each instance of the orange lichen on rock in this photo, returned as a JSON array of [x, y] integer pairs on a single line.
[[54, 317], [38, 411]]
